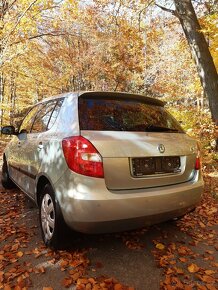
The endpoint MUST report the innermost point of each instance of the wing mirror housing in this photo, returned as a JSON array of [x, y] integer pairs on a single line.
[[8, 130]]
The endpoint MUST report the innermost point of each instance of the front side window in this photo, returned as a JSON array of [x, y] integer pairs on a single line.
[[124, 115]]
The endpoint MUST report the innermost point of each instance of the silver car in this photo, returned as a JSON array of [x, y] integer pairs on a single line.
[[102, 162]]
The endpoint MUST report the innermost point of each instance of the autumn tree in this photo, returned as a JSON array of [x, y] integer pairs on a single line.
[[21, 22], [63, 46], [200, 51]]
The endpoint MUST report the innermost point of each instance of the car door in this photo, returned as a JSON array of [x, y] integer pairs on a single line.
[[32, 152], [14, 161]]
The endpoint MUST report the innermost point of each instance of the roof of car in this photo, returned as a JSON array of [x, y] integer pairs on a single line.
[[108, 94]]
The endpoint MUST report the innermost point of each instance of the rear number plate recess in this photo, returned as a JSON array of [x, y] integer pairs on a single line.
[[155, 165]]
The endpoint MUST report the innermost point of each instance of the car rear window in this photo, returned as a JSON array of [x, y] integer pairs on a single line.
[[124, 115]]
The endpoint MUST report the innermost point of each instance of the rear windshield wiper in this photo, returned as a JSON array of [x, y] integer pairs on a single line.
[[112, 123]]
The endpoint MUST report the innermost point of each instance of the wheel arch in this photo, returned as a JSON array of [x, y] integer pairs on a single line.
[[42, 181], [4, 157]]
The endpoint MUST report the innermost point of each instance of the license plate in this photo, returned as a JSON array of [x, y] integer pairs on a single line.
[[155, 165]]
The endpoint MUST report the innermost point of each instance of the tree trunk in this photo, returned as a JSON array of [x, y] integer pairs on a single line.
[[200, 53], [2, 86], [12, 96]]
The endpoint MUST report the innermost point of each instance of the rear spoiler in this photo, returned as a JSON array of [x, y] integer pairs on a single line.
[[120, 95]]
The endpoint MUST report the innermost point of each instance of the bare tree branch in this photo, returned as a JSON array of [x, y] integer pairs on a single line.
[[9, 7], [167, 9], [46, 34]]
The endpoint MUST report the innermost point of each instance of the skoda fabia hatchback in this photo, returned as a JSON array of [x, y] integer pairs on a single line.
[[102, 162]]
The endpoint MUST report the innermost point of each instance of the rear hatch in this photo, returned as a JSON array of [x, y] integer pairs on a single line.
[[141, 144]]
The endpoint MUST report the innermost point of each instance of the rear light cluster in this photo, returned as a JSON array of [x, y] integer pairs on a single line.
[[82, 157], [198, 159]]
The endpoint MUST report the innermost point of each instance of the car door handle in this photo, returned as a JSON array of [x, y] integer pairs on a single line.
[[40, 146]]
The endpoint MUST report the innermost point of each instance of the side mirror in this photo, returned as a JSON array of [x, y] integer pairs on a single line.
[[8, 130]]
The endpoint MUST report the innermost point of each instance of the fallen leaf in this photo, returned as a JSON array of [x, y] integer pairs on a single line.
[[92, 280], [2, 258], [82, 281], [7, 287], [64, 263], [66, 282], [19, 254], [201, 287], [15, 247], [211, 287], [17, 287], [177, 283], [118, 287], [183, 260], [202, 225], [193, 268], [209, 272], [207, 279], [160, 246], [179, 271]]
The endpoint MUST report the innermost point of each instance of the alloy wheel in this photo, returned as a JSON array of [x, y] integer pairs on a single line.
[[47, 216]]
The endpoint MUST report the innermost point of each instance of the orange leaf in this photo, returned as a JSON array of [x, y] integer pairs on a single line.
[[82, 281], [75, 276], [211, 287], [20, 254], [177, 282], [207, 279], [160, 246], [92, 280], [63, 263], [67, 282], [209, 272], [118, 287], [179, 271], [1, 276], [17, 287], [193, 268], [183, 260], [2, 257], [202, 287], [15, 247], [202, 225], [7, 287], [188, 287], [47, 288], [96, 287]]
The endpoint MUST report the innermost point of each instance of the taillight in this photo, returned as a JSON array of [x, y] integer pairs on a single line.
[[82, 157], [198, 159], [197, 163]]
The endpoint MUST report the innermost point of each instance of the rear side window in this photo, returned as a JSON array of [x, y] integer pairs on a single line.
[[124, 115], [29, 119], [55, 113], [47, 116], [43, 117]]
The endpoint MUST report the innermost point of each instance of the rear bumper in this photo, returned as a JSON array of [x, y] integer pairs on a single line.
[[88, 206]]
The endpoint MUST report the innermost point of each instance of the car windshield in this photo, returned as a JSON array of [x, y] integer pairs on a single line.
[[125, 115]]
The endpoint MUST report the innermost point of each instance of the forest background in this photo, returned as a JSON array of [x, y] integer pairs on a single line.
[[48, 47]]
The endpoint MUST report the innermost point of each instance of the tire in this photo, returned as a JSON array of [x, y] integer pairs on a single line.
[[6, 181], [52, 224]]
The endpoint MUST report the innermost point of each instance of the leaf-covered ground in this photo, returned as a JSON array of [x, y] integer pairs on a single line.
[[173, 255]]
